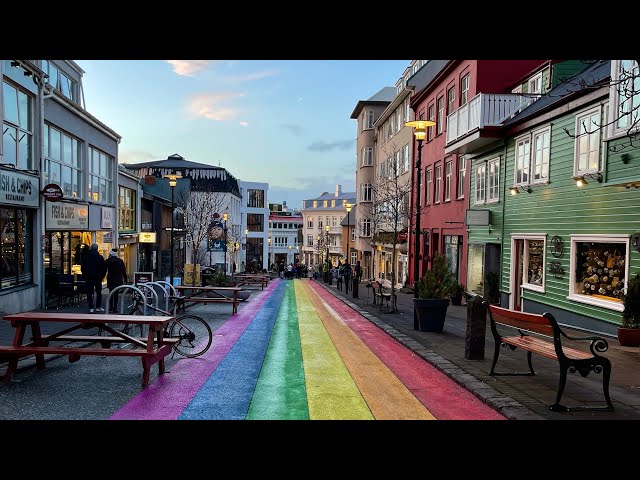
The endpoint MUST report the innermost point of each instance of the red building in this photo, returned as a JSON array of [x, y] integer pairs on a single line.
[[463, 98]]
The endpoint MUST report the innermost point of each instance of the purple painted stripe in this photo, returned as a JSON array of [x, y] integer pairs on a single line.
[[168, 396]]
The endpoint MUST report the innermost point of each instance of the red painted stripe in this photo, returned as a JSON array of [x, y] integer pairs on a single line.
[[443, 397]]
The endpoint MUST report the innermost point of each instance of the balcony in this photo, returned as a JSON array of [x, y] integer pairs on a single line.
[[465, 126]]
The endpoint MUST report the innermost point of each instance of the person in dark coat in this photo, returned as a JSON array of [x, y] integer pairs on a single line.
[[116, 276], [94, 269]]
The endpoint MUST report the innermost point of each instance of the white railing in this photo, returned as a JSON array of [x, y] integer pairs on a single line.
[[484, 110]]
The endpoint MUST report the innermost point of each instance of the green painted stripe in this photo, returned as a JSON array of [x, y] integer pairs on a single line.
[[331, 392], [280, 393]]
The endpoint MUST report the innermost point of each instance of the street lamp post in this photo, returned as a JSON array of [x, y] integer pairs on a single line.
[[173, 181], [225, 217], [269, 242], [326, 236], [246, 249], [289, 256], [348, 208], [420, 133]]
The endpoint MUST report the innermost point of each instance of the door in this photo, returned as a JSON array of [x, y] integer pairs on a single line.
[[516, 275]]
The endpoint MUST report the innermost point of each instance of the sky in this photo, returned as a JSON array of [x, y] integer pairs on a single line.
[[286, 123]]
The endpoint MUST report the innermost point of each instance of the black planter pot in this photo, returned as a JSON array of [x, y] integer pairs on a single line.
[[456, 300], [431, 312]]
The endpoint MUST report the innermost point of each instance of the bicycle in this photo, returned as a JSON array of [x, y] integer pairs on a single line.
[[193, 334]]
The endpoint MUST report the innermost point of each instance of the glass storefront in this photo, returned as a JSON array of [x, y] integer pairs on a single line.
[[62, 251], [475, 269], [16, 247], [453, 251]]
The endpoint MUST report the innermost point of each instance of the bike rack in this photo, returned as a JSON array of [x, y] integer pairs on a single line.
[[121, 288], [165, 294]]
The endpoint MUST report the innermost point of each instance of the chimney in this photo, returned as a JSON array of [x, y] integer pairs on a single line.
[[284, 205], [338, 190]]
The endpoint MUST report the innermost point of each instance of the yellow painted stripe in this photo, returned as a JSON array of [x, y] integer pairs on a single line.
[[385, 394], [331, 393]]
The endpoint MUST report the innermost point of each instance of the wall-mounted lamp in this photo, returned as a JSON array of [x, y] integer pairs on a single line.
[[581, 180], [625, 157], [635, 241], [520, 188]]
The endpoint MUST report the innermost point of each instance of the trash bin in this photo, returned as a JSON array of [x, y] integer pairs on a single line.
[[476, 328], [355, 287], [208, 275]]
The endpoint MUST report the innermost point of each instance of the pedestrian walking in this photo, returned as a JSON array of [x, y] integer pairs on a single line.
[[94, 269], [116, 276]]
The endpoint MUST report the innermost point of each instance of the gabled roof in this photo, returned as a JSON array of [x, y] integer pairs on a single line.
[[382, 97], [595, 74]]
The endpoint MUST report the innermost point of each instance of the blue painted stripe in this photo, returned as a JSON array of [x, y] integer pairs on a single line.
[[227, 393]]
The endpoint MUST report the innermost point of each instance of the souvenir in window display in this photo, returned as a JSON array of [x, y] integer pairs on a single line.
[[600, 269], [535, 271]]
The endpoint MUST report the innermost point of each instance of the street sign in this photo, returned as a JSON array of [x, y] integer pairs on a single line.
[[52, 192]]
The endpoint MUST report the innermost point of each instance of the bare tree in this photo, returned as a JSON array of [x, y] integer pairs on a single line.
[[391, 195], [199, 210]]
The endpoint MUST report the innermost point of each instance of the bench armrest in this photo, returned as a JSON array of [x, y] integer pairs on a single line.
[[598, 344]]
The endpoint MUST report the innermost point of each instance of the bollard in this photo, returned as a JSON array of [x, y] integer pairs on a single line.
[[355, 287], [476, 328]]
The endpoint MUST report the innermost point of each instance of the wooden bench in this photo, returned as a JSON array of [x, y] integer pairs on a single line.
[[379, 291], [192, 295], [104, 341], [521, 325]]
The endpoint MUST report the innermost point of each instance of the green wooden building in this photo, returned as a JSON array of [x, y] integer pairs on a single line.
[[553, 210]]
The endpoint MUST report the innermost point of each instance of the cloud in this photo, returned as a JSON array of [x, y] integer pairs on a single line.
[[135, 156], [189, 68], [248, 77], [213, 105], [244, 124], [295, 129], [323, 146]]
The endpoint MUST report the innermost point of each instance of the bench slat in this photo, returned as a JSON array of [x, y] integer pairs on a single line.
[[118, 352], [95, 338], [524, 321]]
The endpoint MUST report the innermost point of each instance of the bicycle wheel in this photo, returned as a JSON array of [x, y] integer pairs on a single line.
[[194, 333]]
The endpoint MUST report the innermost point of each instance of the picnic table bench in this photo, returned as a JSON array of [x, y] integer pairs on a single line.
[[520, 327], [251, 279], [218, 298], [152, 349]]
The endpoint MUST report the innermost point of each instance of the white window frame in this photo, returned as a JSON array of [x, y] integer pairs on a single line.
[[366, 227], [398, 119], [367, 157], [532, 81], [448, 171], [488, 185], [429, 174], [353, 233], [310, 240], [532, 156], [108, 178], [616, 131], [365, 192], [462, 175], [525, 254], [440, 109], [576, 155], [431, 112], [465, 84], [354, 258], [29, 131], [451, 99], [405, 158], [480, 193], [397, 165], [407, 111], [310, 222], [438, 184], [527, 162], [367, 120], [587, 299]]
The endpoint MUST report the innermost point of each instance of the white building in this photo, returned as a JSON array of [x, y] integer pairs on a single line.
[[254, 253], [284, 229]]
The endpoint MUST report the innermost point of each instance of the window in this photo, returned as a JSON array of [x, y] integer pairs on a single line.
[[333, 203], [310, 222], [390, 167], [366, 227], [540, 156], [334, 221], [367, 157], [522, 160], [447, 182], [440, 121], [438, 184], [427, 193], [365, 192], [432, 117], [354, 258], [60, 81], [407, 111], [625, 95], [599, 269], [126, 209], [315, 204], [320, 224], [255, 222], [535, 84], [405, 158], [398, 119], [397, 165], [16, 247], [587, 142], [464, 90], [101, 168], [451, 99], [367, 119], [255, 198], [481, 171], [17, 128], [462, 174], [353, 234], [309, 240], [325, 203], [493, 183], [533, 268], [62, 161], [383, 169]]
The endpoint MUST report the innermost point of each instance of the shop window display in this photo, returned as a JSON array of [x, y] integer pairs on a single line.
[[600, 269]]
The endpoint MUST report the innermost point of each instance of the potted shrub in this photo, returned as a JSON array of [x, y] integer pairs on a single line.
[[457, 290], [629, 332], [434, 290]]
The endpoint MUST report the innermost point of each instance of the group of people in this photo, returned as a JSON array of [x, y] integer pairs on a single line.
[[94, 268], [293, 270]]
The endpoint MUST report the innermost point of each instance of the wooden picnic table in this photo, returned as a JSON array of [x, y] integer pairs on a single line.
[[220, 298], [151, 350], [251, 279]]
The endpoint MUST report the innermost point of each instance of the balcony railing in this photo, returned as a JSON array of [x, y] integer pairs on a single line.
[[484, 110]]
